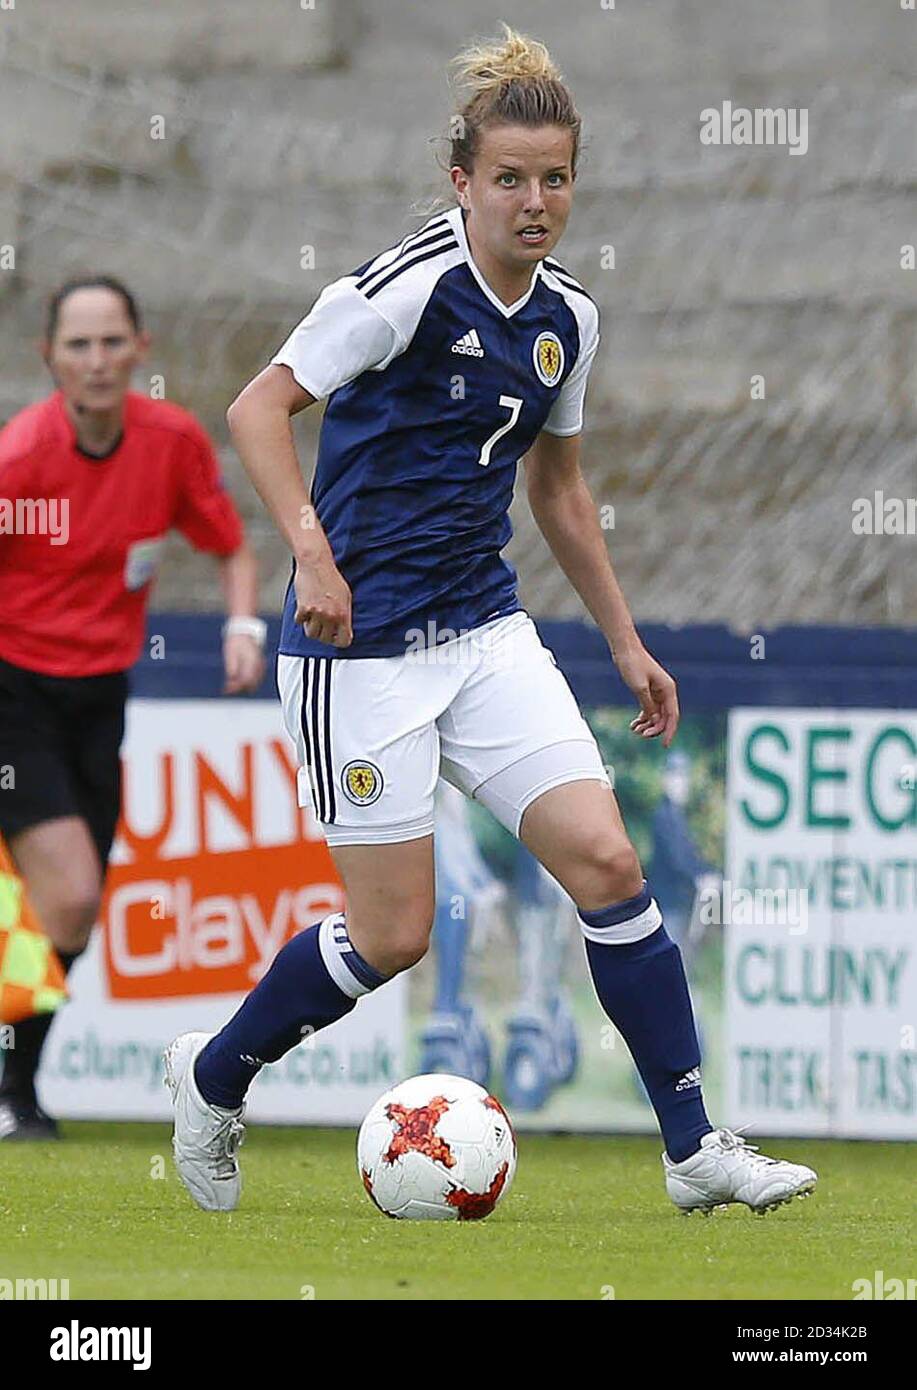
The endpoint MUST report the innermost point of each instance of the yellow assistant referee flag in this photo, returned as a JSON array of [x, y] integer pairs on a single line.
[[31, 976]]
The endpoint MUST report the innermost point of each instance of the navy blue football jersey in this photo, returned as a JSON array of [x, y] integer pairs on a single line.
[[435, 390]]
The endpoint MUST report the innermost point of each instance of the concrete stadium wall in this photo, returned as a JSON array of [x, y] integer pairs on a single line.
[[287, 128]]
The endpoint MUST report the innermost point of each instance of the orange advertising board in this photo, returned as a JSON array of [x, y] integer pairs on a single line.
[[216, 866]]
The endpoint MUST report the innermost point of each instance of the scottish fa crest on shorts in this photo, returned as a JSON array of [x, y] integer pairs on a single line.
[[362, 783], [548, 354]]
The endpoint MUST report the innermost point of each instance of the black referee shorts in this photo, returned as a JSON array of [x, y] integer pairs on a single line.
[[60, 738]]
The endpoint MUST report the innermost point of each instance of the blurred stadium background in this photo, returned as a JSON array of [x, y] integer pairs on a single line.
[[286, 128]]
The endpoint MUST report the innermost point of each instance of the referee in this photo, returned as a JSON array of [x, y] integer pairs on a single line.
[[92, 478]]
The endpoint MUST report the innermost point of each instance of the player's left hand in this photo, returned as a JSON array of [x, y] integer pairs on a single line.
[[243, 663], [656, 691]]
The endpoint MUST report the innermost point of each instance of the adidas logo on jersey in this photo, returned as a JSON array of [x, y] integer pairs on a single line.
[[470, 344], [690, 1078]]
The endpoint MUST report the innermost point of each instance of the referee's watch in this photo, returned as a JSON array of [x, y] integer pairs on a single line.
[[256, 628]]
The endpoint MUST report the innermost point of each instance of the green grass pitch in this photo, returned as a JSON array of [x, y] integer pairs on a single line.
[[585, 1216]]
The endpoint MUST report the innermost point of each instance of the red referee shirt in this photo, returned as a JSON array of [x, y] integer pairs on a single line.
[[76, 606]]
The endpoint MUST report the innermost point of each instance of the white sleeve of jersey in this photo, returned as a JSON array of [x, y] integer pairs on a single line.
[[566, 415], [343, 335]]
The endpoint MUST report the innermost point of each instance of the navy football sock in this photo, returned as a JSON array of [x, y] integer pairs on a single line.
[[642, 987], [315, 979]]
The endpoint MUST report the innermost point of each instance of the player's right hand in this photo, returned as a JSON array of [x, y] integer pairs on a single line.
[[323, 602]]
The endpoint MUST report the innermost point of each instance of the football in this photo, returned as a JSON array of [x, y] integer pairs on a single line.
[[437, 1148]]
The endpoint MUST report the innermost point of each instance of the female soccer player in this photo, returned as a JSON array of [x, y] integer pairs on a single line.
[[92, 478], [405, 652]]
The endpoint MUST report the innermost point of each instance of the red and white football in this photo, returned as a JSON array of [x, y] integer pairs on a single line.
[[437, 1148]]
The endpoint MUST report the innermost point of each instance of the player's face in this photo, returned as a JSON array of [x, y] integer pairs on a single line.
[[522, 178], [95, 349]]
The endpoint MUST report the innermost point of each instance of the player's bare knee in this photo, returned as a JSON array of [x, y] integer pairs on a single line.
[[395, 941], [405, 939], [611, 869], [410, 943]]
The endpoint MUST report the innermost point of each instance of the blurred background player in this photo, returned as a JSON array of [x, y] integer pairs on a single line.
[[542, 1050], [454, 1038], [471, 894], [678, 871], [113, 471]]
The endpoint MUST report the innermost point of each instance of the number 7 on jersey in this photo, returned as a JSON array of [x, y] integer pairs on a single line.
[[512, 403]]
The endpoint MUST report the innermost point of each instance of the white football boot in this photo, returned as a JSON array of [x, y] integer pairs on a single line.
[[727, 1169], [206, 1138]]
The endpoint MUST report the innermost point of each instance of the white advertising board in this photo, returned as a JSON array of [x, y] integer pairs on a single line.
[[821, 976]]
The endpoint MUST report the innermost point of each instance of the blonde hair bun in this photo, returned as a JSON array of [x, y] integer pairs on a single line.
[[483, 65]]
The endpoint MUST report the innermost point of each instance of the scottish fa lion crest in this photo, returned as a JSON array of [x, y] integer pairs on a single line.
[[548, 354], [362, 782]]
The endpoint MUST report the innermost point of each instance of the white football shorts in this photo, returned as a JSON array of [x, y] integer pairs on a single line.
[[489, 711]]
